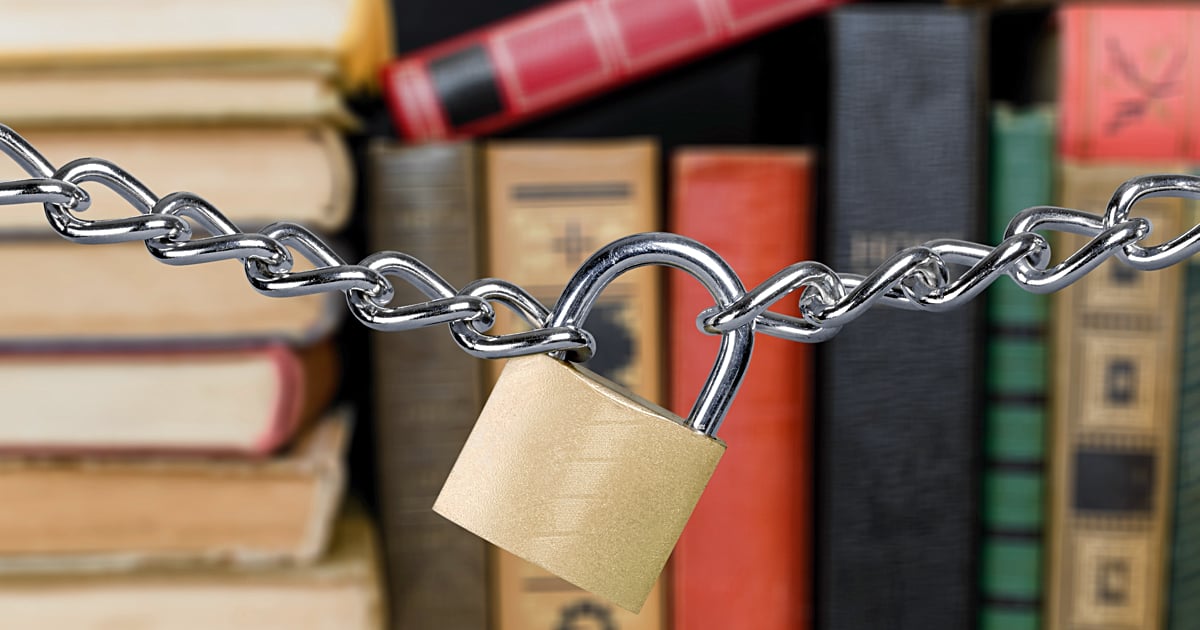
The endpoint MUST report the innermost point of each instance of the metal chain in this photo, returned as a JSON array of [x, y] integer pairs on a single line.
[[917, 278]]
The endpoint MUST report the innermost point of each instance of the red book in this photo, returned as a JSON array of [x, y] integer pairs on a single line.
[[744, 560], [1127, 82], [544, 59]]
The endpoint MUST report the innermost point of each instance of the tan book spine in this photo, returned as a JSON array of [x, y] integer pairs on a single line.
[[341, 589], [550, 205], [112, 513], [1115, 336], [253, 174]]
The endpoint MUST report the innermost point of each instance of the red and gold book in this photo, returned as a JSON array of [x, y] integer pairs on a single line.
[[547, 58], [744, 559]]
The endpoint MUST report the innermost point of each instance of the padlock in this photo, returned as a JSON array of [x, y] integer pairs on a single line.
[[580, 476]]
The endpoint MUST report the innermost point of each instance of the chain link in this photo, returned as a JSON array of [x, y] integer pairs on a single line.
[[935, 276]]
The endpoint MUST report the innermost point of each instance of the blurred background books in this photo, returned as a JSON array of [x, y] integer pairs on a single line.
[[179, 451]]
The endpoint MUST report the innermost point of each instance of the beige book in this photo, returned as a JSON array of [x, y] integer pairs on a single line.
[[1115, 338], [105, 513], [119, 294], [550, 205], [254, 175], [354, 33], [229, 92], [341, 590]]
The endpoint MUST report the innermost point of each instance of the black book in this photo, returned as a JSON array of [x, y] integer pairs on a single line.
[[899, 414]]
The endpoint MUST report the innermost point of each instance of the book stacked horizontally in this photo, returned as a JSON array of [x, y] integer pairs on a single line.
[[169, 455]]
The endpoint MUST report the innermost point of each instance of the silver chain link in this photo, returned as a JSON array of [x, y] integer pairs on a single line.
[[917, 278]]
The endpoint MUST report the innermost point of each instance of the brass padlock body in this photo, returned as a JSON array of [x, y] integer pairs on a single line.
[[579, 476]]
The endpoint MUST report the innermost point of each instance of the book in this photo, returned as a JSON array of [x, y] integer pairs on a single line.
[[1113, 397], [247, 401], [342, 589], [118, 295], [219, 92], [745, 557], [898, 435], [1126, 88], [549, 206], [354, 33], [253, 174], [80, 513], [1013, 491], [1128, 82], [542, 60], [425, 201], [1183, 592]]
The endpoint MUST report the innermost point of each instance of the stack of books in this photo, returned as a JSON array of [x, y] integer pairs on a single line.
[[169, 451]]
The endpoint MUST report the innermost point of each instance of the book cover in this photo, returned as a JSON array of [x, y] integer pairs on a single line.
[[217, 92], [83, 513], [745, 557], [1013, 492], [253, 174], [356, 34], [1128, 83], [341, 589], [424, 201], [249, 400], [898, 436], [549, 206], [552, 56], [1127, 92], [1113, 396], [1183, 596], [118, 295]]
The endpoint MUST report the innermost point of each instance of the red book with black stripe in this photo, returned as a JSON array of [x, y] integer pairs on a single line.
[[745, 557], [547, 58]]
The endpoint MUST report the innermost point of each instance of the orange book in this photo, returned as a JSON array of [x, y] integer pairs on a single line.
[[744, 558]]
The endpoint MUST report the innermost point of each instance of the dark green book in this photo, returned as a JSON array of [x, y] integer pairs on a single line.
[[1010, 562], [1183, 603]]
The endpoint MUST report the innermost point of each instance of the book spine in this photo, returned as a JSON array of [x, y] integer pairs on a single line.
[[550, 205], [897, 438], [1117, 331], [1183, 604], [544, 59], [1113, 399], [1015, 417], [1128, 82], [424, 201], [744, 559]]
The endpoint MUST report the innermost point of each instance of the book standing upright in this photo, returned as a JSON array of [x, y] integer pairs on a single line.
[[897, 441]]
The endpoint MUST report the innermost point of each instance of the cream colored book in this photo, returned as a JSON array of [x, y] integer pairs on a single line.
[[341, 591], [232, 91], [62, 33], [105, 513], [254, 175]]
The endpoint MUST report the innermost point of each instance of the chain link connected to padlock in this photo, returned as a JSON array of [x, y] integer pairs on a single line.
[[595, 485], [581, 476]]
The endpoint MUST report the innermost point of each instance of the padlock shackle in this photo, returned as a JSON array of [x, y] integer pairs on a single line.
[[692, 257]]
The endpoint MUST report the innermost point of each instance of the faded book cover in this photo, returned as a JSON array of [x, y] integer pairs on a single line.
[[753, 206], [424, 201], [90, 513], [549, 206], [1113, 399]]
